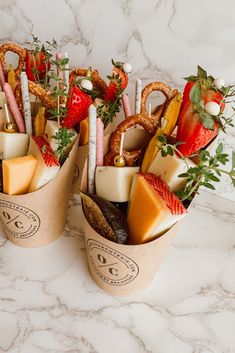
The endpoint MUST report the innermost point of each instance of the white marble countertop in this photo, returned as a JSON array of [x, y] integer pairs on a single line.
[[49, 303]]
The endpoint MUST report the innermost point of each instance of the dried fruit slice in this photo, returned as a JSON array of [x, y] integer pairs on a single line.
[[105, 218]]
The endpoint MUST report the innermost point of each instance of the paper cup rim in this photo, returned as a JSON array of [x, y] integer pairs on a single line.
[[123, 246]]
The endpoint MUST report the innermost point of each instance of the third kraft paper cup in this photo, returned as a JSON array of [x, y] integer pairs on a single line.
[[121, 269], [38, 218]]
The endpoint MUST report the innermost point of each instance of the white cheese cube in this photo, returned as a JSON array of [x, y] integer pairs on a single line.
[[13, 144], [168, 168], [114, 183]]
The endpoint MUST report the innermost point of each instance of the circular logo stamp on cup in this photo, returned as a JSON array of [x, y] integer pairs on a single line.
[[19, 221], [110, 265]]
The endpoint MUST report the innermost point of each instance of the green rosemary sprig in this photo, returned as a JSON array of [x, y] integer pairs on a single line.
[[109, 109], [59, 92], [207, 171], [64, 139]]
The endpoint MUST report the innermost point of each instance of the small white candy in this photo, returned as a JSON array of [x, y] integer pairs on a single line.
[[127, 68], [218, 83], [86, 84], [212, 108]]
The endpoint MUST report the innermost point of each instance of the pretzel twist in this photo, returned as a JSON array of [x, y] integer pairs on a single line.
[[151, 87], [96, 80], [39, 92], [131, 157], [21, 52]]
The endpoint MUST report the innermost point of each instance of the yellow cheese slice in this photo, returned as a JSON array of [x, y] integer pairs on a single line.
[[151, 212], [17, 174], [145, 207]]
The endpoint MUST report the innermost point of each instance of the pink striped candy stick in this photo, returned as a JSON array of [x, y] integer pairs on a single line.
[[14, 107], [126, 105]]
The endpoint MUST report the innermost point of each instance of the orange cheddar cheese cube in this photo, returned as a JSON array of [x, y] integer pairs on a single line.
[[17, 174], [153, 208], [84, 129]]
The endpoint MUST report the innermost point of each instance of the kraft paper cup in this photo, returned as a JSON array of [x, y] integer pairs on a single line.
[[38, 218], [121, 269], [134, 138]]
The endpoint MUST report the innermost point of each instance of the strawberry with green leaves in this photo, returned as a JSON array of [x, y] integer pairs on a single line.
[[201, 114], [36, 65], [37, 61], [118, 80], [77, 107]]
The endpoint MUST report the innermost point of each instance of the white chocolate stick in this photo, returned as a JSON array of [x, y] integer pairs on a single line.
[[126, 105], [66, 73], [99, 142], [138, 90], [26, 103], [7, 113], [150, 110], [2, 76], [163, 123], [121, 144], [14, 107], [92, 149]]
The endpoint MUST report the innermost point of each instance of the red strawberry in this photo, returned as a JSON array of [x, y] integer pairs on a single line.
[[78, 105], [192, 132], [36, 61], [48, 155], [207, 95], [112, 90], [187, 89], [213, 96], [172, 201]]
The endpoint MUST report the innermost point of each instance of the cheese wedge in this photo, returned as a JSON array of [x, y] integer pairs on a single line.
[[47, 166], [113, 183], [17, 174], [153, 208], [13, 145], [168, 168]]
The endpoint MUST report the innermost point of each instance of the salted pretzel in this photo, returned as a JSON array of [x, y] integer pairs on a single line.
[[131, 157], [47, 101], [151, 87], [96, 80], [21, 52]]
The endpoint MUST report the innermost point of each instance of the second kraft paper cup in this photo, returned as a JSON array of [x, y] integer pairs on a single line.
[[38, 218], [121, 269]]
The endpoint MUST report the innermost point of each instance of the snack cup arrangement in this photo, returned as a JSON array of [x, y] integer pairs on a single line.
[[37, 153], [136, 184]]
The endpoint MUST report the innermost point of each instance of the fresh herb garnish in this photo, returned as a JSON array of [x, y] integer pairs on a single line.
[[64, 139], [109, 109], [207, 170]]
